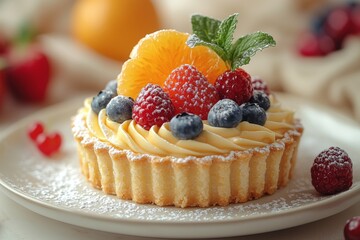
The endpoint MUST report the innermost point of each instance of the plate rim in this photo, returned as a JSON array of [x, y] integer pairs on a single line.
[[198, 229]]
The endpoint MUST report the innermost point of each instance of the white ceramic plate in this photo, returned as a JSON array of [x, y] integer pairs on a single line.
[[55, 187]]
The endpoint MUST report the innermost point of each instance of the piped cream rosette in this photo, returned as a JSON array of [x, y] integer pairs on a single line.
[[220, 166]]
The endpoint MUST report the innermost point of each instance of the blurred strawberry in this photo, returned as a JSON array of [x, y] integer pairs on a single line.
[[28, 73]]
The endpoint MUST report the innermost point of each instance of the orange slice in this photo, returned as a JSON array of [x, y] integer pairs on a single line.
[[157, 54]]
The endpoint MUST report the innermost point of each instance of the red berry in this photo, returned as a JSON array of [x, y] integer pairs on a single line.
[[49, 144], [352, 229], [314, 45], [28, 74], [332, 171], [259, 85], [152, 107], [235, 85], [4, 44], [308, 45], [327, 44], [35, 130], [190, 91], [355, 19], [338, 23], [2, 86]]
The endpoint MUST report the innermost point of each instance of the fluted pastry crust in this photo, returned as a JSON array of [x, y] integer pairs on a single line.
[[238, 176]]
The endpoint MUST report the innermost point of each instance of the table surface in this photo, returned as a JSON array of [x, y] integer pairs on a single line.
[[17, 222]]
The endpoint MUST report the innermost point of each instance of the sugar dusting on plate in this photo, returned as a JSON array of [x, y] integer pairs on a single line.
[[60, 183]]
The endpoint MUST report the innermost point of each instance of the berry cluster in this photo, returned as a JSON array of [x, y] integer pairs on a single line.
[[48, 144], [330, 29], [186, 99]]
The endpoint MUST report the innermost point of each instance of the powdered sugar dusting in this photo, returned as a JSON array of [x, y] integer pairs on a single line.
[[61, 185]]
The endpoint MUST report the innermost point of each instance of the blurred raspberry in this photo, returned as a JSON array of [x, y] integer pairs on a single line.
[[338, 23], [315, 45]]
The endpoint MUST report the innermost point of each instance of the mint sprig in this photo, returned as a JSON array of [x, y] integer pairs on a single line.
[[247, 46], [218, 36]]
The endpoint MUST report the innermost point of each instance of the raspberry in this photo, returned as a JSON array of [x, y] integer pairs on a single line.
[[190, 91], [235, 85], [152, 107], [332, 171], [260, 85]]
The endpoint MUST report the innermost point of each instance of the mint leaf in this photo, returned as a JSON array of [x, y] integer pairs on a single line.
[[224, 36], [193, 41], [247, 46], [218, 36], [204, 27]]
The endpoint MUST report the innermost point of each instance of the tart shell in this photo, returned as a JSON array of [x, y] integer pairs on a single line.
[[236, 177]]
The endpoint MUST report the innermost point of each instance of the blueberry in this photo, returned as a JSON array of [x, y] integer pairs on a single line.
[[225, 113], [119, 109], [261, 99], [253, 113], [186, 126], [112, 86], [101, 100], [318, 22], [353, 4]]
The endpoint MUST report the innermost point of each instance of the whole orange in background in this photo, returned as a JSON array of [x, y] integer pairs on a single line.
[[113, 27]]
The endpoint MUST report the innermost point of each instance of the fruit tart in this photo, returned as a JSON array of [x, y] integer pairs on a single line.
[[184, 125]]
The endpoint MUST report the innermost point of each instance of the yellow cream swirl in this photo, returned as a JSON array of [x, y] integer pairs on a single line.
[[213, 140]]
